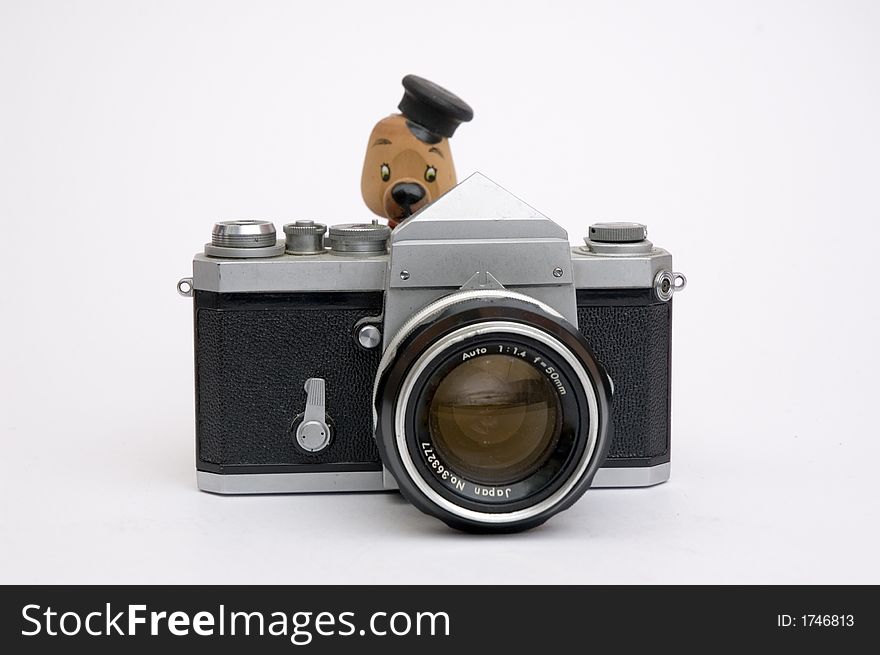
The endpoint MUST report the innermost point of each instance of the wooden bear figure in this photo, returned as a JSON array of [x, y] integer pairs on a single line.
[[408, 162]]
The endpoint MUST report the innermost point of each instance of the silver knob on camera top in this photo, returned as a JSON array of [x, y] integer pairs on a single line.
[[619, 232], [243, 234], [359, 238], [244, 238], [304, 238], [626, 239], [313, 434], [617, 238]]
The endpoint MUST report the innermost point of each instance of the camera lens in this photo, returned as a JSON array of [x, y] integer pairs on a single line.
[[491, 412], [495, 418]]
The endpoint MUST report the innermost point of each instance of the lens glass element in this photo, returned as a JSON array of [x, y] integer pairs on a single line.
[[495, 418]]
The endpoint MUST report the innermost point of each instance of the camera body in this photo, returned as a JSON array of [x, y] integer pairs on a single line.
[[293, 352]]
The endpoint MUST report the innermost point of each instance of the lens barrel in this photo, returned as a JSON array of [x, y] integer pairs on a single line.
[[491, 412]]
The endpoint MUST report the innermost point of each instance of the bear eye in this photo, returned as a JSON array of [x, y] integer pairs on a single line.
[[385, 172], [430, 174]]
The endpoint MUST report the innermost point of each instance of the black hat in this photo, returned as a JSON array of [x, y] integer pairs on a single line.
[[432, 107]]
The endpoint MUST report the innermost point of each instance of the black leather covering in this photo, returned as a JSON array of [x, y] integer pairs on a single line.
[[255, 351], [251, 364], [633, 343]]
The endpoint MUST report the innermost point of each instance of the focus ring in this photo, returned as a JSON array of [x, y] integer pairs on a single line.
[[479, 312]]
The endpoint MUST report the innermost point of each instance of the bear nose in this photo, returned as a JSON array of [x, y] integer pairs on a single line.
[[407, 193]]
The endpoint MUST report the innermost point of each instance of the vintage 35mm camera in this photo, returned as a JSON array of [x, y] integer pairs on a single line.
[[471, 358]]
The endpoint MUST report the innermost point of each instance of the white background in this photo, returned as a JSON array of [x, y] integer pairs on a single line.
[[745, 135]]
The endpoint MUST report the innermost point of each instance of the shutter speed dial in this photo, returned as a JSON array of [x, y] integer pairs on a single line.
[[359, 239]]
